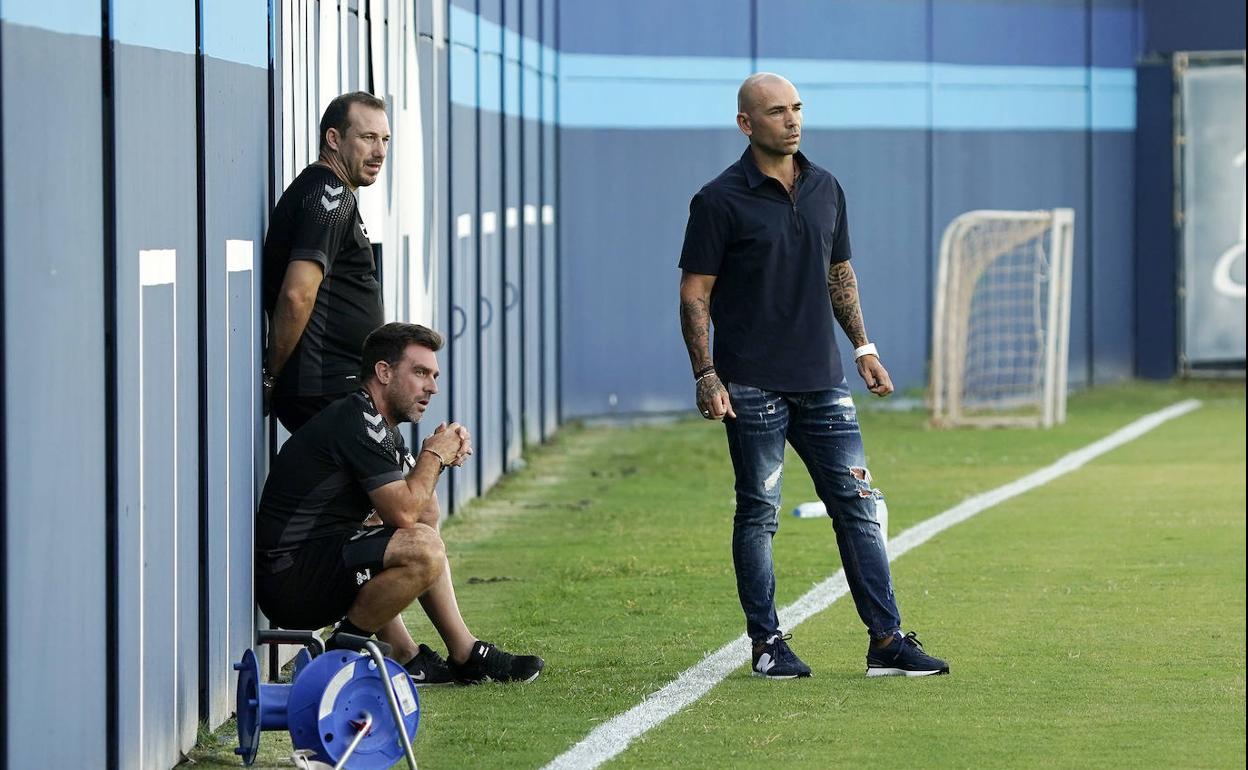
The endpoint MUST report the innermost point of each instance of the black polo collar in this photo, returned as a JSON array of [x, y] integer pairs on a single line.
[[754, 177]]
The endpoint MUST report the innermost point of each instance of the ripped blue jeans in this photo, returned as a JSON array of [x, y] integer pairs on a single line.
[[822, 427]]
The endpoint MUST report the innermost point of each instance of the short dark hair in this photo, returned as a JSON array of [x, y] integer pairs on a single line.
[[388, 343], [336, 114]]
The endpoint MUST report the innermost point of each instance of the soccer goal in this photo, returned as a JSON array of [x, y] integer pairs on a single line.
[[1000, 335]]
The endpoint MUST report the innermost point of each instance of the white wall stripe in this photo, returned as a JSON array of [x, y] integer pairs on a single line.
[[157, 266], [238, 255], [614, 736], [239, 258]]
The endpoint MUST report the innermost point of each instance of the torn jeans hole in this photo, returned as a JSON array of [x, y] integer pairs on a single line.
[[863, 477]]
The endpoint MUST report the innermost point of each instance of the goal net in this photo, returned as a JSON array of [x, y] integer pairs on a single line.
[[1001, 330]]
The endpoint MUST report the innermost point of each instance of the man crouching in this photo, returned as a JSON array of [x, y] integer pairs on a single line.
[[317, 560]]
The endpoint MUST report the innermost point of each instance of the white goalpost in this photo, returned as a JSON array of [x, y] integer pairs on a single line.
[[1001, 329]]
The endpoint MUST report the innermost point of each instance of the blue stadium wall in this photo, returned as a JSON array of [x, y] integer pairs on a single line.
[[922, 109], [532, 208]]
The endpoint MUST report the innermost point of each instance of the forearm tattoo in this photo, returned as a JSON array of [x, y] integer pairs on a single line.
[[843, 291], [695, 325]]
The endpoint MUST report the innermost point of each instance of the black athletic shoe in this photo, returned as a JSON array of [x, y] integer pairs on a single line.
[[487, 663], [428, 668], [776, 661], [904, 657]]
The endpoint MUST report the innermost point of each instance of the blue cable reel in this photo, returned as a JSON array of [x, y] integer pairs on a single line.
[[340, 706], [260, 706], [337, 706]]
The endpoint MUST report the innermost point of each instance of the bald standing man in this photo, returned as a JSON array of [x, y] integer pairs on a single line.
[[766, 260]]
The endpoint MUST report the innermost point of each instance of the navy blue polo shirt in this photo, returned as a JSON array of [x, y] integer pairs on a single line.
[[774, 326]]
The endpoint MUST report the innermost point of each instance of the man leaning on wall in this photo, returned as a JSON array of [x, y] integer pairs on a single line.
[[321, 292]]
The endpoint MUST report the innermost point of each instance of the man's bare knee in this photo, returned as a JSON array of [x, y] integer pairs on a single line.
[[419, 546]]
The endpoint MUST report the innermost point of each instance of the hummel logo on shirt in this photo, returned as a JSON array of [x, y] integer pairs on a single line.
[[376, 431], [334, 192], [363, 577]]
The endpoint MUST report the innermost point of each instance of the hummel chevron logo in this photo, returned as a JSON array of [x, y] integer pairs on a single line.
[[334, 191], [377, 434], [329, 205], [373, 419]]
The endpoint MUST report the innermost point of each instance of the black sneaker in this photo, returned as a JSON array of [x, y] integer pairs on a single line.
[[776, 661], [904, 657], [487, 663], [428, 668]]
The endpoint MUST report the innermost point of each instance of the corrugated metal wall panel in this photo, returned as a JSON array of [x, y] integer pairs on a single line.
[[158, 463], [462, 360], [530, 227], [513, 304], [549, 217], [235, 179], [434, 254], [488, 425], [55, 485]]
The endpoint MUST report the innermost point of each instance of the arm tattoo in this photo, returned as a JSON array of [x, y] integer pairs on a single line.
[[843, 291], [695, 324]]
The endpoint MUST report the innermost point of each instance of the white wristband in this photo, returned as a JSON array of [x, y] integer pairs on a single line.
[[866, 350]]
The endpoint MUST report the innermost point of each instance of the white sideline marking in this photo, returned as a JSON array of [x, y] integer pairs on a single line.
[[613, 736]]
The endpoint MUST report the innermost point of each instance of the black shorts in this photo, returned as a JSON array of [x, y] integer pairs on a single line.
[[294, 411], [319, 586]]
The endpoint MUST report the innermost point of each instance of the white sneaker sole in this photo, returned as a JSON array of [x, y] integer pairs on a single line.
[[423, 683], [901, 672]]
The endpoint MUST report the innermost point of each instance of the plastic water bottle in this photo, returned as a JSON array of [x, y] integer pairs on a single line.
[[811, 510], [816, 509]]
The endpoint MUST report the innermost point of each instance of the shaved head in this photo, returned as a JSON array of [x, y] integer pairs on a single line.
[[753, 86], [769, 112]]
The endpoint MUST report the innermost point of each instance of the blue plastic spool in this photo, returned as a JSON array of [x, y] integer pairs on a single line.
[[259, 706], [328, 703]]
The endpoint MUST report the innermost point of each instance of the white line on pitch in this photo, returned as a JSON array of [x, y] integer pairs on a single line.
[[613, 736]]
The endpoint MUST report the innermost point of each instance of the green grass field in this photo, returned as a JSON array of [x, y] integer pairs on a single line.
[[1095, 621]]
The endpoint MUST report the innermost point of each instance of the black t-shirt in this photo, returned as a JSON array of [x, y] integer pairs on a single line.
[[774, 326], [319, 483], [318, 219]]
